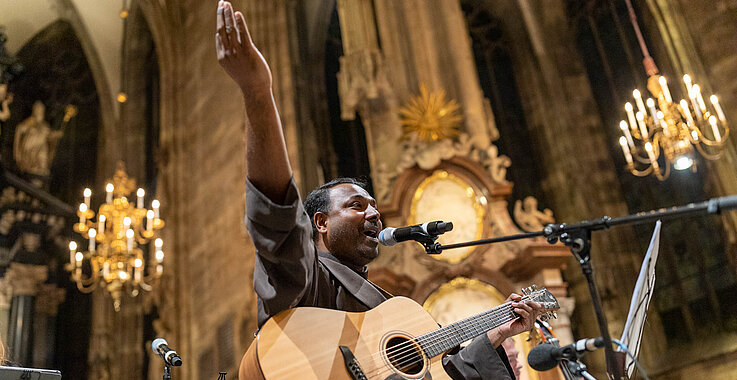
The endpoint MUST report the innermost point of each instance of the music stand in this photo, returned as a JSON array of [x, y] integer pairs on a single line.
[[19, 373]]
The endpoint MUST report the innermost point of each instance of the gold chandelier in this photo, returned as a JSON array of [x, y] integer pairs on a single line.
[[661, 128], [117, 241]]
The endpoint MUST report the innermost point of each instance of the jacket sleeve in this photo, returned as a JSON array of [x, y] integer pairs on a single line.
[[285, 262], [479, 361]]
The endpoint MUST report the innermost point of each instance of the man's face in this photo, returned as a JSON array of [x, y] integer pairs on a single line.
[[352, 226]]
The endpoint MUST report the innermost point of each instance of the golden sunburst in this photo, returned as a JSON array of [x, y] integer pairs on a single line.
[[430, 116]]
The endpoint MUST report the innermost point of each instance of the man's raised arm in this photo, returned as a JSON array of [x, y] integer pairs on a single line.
[[267, 162]]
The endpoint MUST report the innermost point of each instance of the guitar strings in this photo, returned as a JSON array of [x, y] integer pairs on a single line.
[[406, 349], [494, 317], [409, 358]]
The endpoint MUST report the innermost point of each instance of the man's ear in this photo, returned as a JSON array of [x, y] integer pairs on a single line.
[[321, 222]]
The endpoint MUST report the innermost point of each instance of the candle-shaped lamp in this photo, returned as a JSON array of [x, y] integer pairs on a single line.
[[82, 213], [638, 100], [651, 154], [699, 98], [715, 101], [92, 233], [101, 223], [149, 220], [87, 194], [686, 111], [625, 149], [626, 130], [139, 200], [715, 128], [630, 115], [129, 235], [109, 193], [78, 257], [664, 85], [72, 251], [643, 126], [155, 205]]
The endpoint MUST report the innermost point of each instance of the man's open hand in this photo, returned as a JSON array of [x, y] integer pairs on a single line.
[[236, 52]]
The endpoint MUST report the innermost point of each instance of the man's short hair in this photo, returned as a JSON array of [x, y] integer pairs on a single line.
[[319, 199]]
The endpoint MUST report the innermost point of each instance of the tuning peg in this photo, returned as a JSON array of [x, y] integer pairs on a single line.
[[525, 291], [533, 287]]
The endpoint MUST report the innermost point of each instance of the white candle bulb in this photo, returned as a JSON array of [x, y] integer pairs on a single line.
[[699, 98], [159, 256], [155, 205], [139, 201], [653, 112], [651, 154], [109, 193], [638, 100], [78, 259], [126, 222], [625, 149], [72, 250], [643, 126], [715, 128], [149, 220], [664, 86], [101, 223], [158, 243], [626, 130], [630, 115], [715, 101], [87, 194], [82, 212], [92, 234], [686, 111], [687, 81], [129, 234]]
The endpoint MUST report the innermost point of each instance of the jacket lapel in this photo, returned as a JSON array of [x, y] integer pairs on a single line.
[[358, 286]]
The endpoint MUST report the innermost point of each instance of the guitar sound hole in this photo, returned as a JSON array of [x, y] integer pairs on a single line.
[[404, 356]]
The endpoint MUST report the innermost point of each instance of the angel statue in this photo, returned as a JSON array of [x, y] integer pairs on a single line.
[[35, 142], [529, 217]]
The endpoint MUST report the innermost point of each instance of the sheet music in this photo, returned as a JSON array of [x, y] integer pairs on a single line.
[[632, 333]]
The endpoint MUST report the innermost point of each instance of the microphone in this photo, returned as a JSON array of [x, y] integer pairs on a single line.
[[162, 349], [390, 235], [546, 356]]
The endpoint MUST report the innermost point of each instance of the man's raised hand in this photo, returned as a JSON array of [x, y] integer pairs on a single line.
[[236, 52]]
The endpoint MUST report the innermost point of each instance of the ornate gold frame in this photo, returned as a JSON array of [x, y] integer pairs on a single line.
[[479, 202]]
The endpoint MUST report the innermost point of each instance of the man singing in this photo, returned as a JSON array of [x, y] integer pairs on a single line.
[[316, 255]]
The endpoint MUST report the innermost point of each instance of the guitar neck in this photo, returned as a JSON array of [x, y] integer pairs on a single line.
[[443, 339]]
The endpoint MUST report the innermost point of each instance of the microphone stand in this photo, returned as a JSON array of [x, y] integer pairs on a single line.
[[578, 238], [167, 372], [579, 369]]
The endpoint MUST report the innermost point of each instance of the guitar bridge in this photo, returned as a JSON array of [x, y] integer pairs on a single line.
[[351, 364]]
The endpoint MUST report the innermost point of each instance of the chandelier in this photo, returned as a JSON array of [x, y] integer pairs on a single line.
[[660, 128], [117, 241]]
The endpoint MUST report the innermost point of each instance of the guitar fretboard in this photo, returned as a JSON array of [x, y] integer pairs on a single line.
[[441, 340]]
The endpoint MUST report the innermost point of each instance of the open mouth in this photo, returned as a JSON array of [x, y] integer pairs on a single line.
[[372, 234]]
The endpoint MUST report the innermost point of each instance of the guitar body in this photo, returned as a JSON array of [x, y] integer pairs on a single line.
[[303, 343]]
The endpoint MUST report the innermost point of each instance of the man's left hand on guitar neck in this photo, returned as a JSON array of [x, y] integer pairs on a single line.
[[528, 311]]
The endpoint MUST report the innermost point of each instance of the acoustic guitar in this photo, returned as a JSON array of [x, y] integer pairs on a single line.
[[396, 340]]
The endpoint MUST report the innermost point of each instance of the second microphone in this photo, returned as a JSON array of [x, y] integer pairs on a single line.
[[390, 235]]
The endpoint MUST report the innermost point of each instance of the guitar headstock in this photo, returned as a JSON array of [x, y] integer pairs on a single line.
[[544, 298]]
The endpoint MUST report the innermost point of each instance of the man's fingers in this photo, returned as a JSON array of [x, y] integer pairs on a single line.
[[230, 31], [221, 24], [243, 32], [219, 46]]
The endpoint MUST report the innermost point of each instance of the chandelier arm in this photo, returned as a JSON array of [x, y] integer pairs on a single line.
[[709, 156], [641, 173], [85, 288]]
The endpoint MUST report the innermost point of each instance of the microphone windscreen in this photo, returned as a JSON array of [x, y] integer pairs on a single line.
[[156, 343], [541, 357]]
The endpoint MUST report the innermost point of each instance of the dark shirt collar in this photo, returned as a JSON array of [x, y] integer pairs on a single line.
[[361, 271]]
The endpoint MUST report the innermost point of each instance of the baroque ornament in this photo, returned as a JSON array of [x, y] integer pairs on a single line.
[[430, 117]]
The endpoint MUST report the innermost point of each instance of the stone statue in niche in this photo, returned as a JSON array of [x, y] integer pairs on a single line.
[[5, 100], [529, 217], [35, 142]]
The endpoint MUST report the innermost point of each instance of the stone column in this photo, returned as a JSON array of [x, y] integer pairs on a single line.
[[44, 339], [5, 297], [24, 281]]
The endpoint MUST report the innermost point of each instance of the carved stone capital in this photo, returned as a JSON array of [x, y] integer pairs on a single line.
[[361, 77], [25, 279], [48, 299]]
